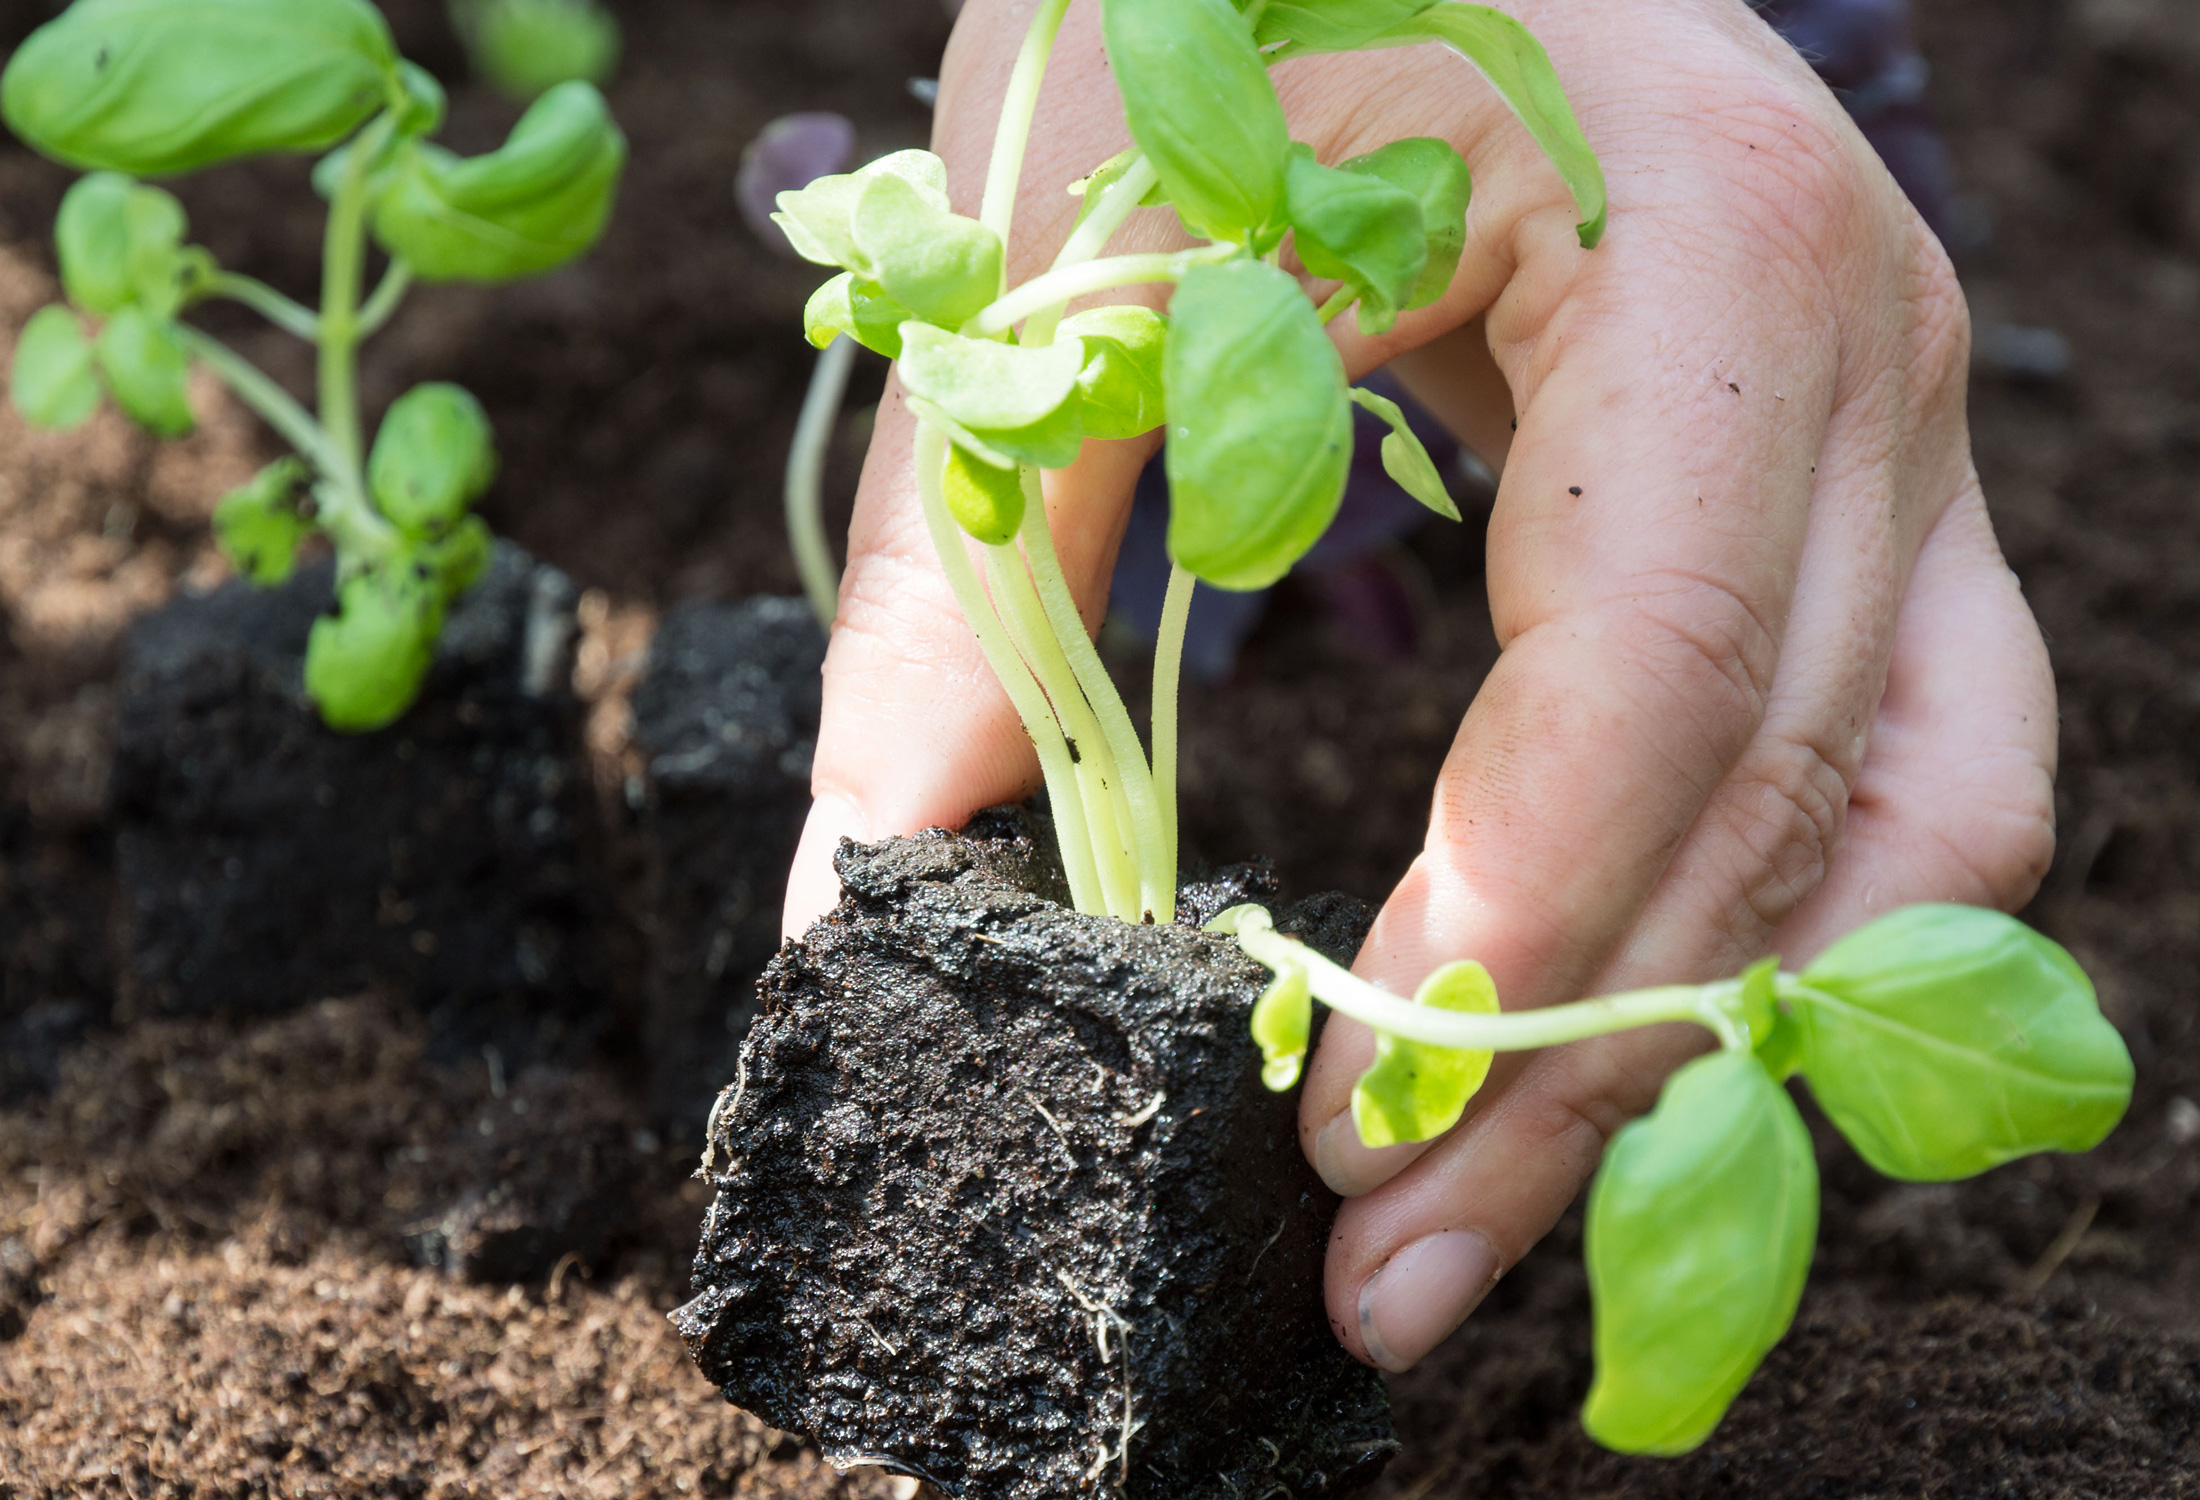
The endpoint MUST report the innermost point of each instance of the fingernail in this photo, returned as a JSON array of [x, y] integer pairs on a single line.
[[1422, 1293], [813, 888], [1351, 1168]]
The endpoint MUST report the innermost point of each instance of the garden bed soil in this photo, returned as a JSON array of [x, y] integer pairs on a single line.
[[209, 1225]]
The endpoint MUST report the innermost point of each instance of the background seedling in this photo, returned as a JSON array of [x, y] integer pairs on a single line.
[[1941, 1040], [136, 88], [525, 48]]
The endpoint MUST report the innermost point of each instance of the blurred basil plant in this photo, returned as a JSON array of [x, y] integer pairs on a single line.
[[128, 89]]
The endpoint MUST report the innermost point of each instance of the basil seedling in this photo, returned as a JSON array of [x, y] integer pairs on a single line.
[[1940, 1040], [129, 88], [528, 47], [1239, 370]]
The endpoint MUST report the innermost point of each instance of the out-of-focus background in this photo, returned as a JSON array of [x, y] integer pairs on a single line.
[[233, 1237]]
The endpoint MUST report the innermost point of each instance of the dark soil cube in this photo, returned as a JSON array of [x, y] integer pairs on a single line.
[[266, 861], [1002, 1202], [726, 717]]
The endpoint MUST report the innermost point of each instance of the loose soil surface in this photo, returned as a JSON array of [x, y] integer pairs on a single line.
[[205, 1281]]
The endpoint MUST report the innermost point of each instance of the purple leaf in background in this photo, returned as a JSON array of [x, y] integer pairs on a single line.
[[791, 152]]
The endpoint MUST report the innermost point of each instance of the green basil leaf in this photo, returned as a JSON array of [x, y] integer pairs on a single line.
[[148, 371], [1405, 460], [52, 384], [92, 239], [157, 86], [860, 309], [458, 558], [1701, 1225], [433, 457], [1436, 178], [939, 265], [526, 47], [1356, 228], [258, 526], [1944, 1040], [365, 661], [421, 103], [1260, 427], [1283, 1019], [1019, 404], [1515, 64], [817, 219], [1416, 1092], [1332, 25], [985, 501], [1199, 104], [531, 205], [1125, 348]]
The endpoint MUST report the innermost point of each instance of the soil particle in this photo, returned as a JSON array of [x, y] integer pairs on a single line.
[[1002, 1200], [267, 861]]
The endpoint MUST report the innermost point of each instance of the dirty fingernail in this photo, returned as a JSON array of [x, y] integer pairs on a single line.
[[1422, 1293], [812, 885], [1351, 1168]]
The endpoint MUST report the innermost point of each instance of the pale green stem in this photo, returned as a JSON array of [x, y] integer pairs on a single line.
[[291, 317], [1143, 823], [1116, 204], [344, 513], [813, 431], [1168, 667], [388, 293], [1099, 777], [1714, 1006], [1058, 288], [1004, 173], [1015, 679], [1341, 299], [343, 256]]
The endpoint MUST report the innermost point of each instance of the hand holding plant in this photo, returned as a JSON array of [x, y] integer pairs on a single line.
[[136, 88], [1765, 673]]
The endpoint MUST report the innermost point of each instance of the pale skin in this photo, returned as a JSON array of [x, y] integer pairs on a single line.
[[1765, 673]]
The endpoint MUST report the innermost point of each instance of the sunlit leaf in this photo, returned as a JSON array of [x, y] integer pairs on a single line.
[[1125, 349], [1405, 460], [1416, 1092]]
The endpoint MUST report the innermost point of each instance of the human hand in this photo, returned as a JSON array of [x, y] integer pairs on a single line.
[[1764, 672]]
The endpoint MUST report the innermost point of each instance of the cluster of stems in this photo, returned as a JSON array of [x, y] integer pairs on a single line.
[[331, 442]]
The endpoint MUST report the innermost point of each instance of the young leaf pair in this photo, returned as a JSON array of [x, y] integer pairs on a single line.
[[1940, 1040], [131, 88]]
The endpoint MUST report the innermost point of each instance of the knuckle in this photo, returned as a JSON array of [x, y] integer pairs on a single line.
[[1797, 181], [1705, 643], [1939, 318], [1784, 820]]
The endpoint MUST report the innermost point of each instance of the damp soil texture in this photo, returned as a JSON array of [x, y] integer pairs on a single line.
[[213, 1227], [1002, 1202]]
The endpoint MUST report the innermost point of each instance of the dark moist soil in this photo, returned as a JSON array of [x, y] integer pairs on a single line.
[[210, 1228], [1001, 1198]]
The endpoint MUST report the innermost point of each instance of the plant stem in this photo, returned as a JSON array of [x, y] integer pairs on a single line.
[[1116, 204], [344, 513], [1058, 288], [813, 431], [1099, 775], [343, 254], [1144, 828], [1004, 173], [1015, 679], [1715, 1006], [1338, 301], [291, 317], [388, 293], [1168, 667]]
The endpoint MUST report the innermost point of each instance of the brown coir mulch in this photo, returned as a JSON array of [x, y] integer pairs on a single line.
[[205, 1285]]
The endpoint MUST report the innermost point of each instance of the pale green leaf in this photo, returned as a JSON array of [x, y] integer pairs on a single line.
[[52, 384], [1416, 1092]]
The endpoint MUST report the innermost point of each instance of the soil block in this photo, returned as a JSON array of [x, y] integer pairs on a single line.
[[266, 861], [726, 718], [1002, 1203]]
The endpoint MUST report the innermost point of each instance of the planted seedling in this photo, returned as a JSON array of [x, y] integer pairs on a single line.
[[128, 89], [1942, 1040]]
